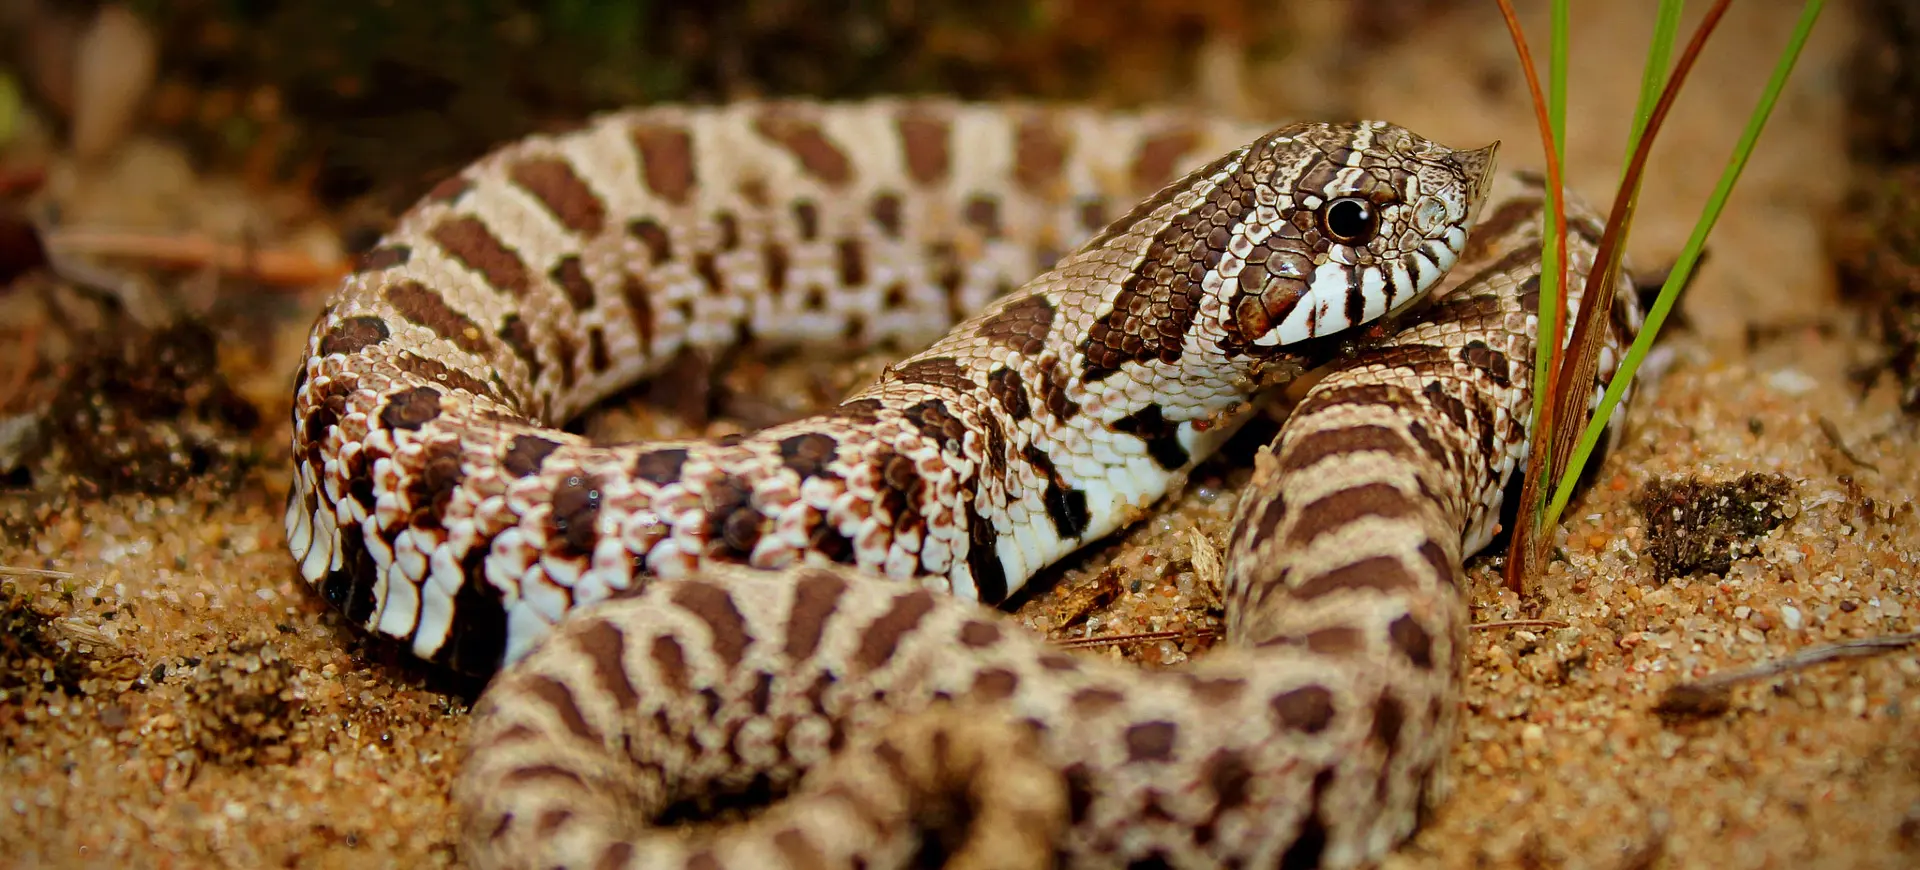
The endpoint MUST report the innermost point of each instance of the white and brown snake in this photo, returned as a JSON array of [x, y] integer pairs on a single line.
[[777, 607]]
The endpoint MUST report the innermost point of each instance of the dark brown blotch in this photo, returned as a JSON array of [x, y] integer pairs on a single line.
[[448, 191], [1491, 362], [983, 213], [883, 635], [383, 258], [1039, 154], [995, 684], [1344, 507], [423, 306], [605, 646], [1388, 717], [806, 219], [411, 409], [816, 596], [639, 299], [478, 638], [666, 161], [983, 557], [728, 227], [1436, 557], [1271, 513], [654, 237], [886, 213], [1151, 313], [979, 633], [469, 241], [1312, 448], [726, 626], [526, 454], [576, 513], [1377, 573], [1215, 691], [1058, 661], [862, 411], [1005, 386], [559, 696], [1053, 394], [933, 420], [1095, 700], [1336, 640], [1162, 436], [570, 275], [430, 491], [518, 337], [1412, 640], [598, 357], [543, 772], [660, 467], [1066, 506], [671, 661], [924, 146], [353, 335], [1021, 325], [566, 196], [1151, 741], [1353, 395], [808, 453], [1308, 709], [1227, 774], [853, 262], [809, 145]]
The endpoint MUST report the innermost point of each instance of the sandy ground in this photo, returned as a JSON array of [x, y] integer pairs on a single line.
[[218, 714]]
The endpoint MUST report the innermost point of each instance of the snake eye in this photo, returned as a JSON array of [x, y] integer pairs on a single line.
[[1349, 220]]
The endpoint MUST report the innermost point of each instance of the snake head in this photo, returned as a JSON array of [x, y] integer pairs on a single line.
[[1343, 224]]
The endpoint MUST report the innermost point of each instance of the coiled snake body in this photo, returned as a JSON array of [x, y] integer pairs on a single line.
[[432, 507]]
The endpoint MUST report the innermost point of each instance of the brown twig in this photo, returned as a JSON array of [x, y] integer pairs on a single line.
[[1117, 639], [1530, 545], [277, 267], [1545, 418], [1709, 696], [1517, 623], [8, 571]]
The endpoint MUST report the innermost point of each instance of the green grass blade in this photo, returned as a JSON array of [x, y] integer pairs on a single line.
[[1689, 257], [1659, 52], [1552, 241]]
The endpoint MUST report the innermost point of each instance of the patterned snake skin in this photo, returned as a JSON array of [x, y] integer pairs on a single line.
[[432, 507]]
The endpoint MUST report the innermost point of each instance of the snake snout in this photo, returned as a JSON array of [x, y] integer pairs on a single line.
[[1478, 167]]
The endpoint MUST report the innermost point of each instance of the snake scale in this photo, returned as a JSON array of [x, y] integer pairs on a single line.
[[759, 621]]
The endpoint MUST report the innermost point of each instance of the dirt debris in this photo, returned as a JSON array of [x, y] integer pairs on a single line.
[[1698, 525], [149, 413], [243, 704]]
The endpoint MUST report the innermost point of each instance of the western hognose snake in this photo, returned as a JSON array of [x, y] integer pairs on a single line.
[[434, 503]]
